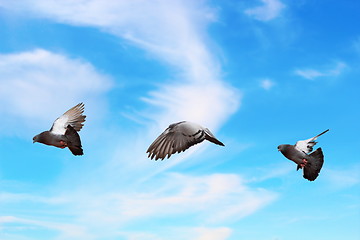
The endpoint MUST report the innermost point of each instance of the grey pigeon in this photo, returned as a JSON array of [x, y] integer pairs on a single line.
[[63, 132], [178, 137], [299, 153]]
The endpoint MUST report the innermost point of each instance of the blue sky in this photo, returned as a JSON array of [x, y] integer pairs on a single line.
[[257, 73]]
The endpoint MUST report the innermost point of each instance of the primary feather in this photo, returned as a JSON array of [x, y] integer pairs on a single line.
[[72, 117]]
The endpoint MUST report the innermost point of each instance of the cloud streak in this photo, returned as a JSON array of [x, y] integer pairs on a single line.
[[172, 32], [208, 199], [312, 74], [269, 11], [36, 84], [127, 188], [267, 84]]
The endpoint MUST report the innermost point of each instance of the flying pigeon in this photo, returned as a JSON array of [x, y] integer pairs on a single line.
[[299, 153], [63, 132], [178, 137]]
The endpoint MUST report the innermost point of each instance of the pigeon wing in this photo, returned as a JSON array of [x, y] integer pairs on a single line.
[[176, 138], [307, 145], [72, 117]]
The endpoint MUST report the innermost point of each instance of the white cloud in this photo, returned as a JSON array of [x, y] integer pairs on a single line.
[[207, 104], [309, 73], [267, 84], [130, 191], [36, 84], [329, 72], [221, 233], [343, 178], [172, 31], [67, 230], [208, 199], [270, 10], [181, 233]]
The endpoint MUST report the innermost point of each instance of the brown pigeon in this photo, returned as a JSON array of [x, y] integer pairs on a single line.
[[299, 153], [178, 137], [63, 132]]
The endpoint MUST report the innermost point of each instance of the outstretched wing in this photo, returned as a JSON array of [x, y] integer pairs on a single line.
[[72, 117], [307, 145], [176, 138]]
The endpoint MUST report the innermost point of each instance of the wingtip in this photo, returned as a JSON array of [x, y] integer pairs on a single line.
[[323, 132], [214, 140]]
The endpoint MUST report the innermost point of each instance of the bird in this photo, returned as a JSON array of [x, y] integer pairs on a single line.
[[63, 132], [300, 153], [178, 137]]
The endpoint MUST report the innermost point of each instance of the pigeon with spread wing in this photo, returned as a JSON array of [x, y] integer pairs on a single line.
[[63, 132], [178, 137], [300, 153]]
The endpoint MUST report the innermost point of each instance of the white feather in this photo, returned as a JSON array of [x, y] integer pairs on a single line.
[[72, 117], [187, 128], [303, 145], [307, 145], [60, 124]]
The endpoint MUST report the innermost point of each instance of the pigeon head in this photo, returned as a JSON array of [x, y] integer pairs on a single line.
[[36, 139], [282, 147], [39, 138]]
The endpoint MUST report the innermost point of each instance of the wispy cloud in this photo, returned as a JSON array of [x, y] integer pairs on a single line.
[[267, 84], [208, 199], [66, 230], [202, 233], [343, 178], [325, 72], [173, 32], [133, 188], [36, 84], [269, 11], [180, 233]]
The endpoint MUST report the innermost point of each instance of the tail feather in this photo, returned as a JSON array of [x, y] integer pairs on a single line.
[[314, 165], [74, 142]]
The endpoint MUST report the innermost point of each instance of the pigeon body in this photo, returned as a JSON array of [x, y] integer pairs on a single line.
[[293, 154], [178, 137], [299, 153], [63, 132]]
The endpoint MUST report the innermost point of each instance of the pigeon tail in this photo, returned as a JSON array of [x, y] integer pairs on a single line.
[[314, 165], [74, 142]]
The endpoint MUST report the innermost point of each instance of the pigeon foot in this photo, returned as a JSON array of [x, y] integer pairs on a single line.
[[63, 144], [304, 162]]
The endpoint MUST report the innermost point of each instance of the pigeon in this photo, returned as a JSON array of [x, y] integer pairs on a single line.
[[63, 132], [178, 137], [299, 153]]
